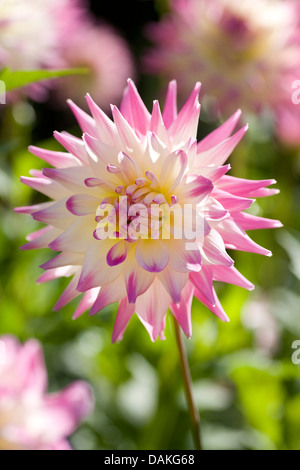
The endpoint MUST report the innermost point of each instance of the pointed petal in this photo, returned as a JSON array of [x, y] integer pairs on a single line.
[[77, 237], [31, 209], [181, 259], [41, 238], [216, 309], [252, 222], [172, 171], [152, 307], [214, 249], [230, 202], [117, 254], [182, 310], [246, 188], [127, 135], [56, 273], [56, 159], [86, 302], [125, 312], [82, 204], [56, 214], [194, 188], [174, 282], [74, 145], [134, 109], [152, 255], [101, 153], [230, 275], [170, 108], [105, 127], [45, 186], [236, 239], [157, 124], [220, 134], [72, 179], [68, 295], [219, 154], [214, 173], [95, 270], [137, 279], [186, 123], [203, 283], [109, 294], [86, 122], [66, 258]]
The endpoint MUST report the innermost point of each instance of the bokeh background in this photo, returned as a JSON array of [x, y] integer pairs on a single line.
[[246, 386]]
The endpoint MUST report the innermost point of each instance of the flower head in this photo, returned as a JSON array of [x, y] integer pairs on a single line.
[[31, 419], [247, 53], [106, 55], [32, 33], [142, 213]]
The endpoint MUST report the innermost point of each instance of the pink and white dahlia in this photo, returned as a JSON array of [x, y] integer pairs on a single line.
[[247, 53], [106, 55], [32, 33], [31, 419], [117, 198]]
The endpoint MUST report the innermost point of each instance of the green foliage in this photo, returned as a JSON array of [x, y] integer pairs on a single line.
[[15, 79]]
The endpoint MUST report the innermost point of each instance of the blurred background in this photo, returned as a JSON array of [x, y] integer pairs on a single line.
[[247, 387]]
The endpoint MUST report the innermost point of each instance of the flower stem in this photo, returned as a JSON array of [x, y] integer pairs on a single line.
[[187, 379]]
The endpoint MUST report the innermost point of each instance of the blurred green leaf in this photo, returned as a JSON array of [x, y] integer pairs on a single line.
[[15, 79]]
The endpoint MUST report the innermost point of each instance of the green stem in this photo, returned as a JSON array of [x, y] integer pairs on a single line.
[[187, 379]]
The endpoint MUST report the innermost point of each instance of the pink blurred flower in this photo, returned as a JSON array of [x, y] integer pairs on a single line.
[[100, 49], [152, 159], [32, 34], [247, 54], [31, 419]]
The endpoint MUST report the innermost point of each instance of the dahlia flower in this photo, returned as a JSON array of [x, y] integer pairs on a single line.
[[31, 419], [32, 33], [100, 49], [247, 54], [108, 218]]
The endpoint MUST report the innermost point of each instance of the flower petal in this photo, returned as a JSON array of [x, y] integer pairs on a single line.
[[109, 294], [152, 307], [173, 282], [56, 159], [170, 109], [182, 310], [252, 222], [125, 312], [85, 121], [136, 278], [152, 255], [216, 309], [134, 110], [117, 254], [220, 134], [219, 154], [203, 283], [236, 239], [88, 299], [82, 204]]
